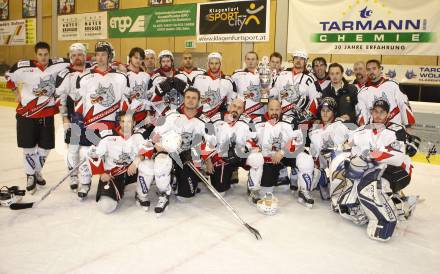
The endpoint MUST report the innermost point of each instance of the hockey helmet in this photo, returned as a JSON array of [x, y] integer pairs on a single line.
[[166, 53], [215, 55], [107, 47], [328, 102], [171, 141], [150, 52], [300, 53], [77, 47], [381, 102], [268, 205]]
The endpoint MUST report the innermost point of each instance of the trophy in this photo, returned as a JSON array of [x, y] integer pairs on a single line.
[[265, 73]]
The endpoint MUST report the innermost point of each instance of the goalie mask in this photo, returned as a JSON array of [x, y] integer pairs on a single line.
[[268, 205]]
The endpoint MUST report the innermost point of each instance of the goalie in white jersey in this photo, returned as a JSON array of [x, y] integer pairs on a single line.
[[33, 82], [66, 93], [379, 168], [379, 87], [216, 89], [100, 93]]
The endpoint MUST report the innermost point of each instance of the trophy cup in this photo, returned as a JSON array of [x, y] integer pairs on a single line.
[[265, 78]]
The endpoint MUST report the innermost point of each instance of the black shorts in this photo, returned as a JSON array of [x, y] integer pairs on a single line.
[[271, 172], [35, 131], [115, 190]]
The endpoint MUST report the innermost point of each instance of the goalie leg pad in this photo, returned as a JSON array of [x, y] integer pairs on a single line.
[[377, 206], [305, 167], [256, 161]]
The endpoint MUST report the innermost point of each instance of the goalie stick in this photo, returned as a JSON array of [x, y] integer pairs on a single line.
[[18, 206], [228, 206]]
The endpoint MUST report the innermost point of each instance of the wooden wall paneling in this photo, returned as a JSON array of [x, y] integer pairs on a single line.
[[83, 6], [160, 43], [47, 7], [266, 48], [231, 55], [128, 44], [179, 44]]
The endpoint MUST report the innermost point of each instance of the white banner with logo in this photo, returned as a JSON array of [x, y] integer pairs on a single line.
[[393, 27], [86, 26], [18, 32]]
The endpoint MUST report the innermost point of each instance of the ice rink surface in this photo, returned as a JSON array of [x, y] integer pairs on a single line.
[[64, 235]]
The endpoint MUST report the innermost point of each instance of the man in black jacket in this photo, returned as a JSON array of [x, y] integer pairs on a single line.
[[344, 93]]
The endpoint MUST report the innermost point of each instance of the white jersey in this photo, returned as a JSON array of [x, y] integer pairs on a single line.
[[386, 144], [295, 92], [320, 84], [114, 152], [192, 73], [36, 86], [66, 88], [248, 88], [215, 93], [228, 132], [358, 85], [273, 135], [165, 101], [400, 112], [194, 131], [329, 136], [139, 96], [100, 96]]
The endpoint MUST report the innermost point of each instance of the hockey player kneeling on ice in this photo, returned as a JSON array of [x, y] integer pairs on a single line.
[[196, 132], [327, 140], [279, 145], [236, 147], [157, 166], [380, 167], [115, 159]]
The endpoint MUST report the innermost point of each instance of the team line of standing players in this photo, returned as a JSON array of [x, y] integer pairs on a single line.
[[138, 123]]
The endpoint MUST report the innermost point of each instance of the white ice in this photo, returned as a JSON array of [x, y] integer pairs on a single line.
[[64, 235]]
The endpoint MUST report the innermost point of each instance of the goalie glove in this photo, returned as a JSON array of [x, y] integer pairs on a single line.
[[166, 86], [179, 85], [412, 144]]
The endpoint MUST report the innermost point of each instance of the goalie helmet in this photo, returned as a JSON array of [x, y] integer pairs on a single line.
[[10, 195], [107, 47], [301, 54], [268, 205], [166, 53], [171, 141]]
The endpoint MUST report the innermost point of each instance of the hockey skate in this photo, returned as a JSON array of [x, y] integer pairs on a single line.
[[83, 191], [304, 197], [40, 179], [162, 204], [74, 183], [142, 202], [31, 184], [254, 196]]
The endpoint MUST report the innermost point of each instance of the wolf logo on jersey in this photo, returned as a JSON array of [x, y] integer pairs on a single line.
[[103, 96], [186, 140], [173, 97], [211, 97], [276, 142], [252, 92], [290, 93], [46, 87], [124, 159], [139, 91], [328, 143]]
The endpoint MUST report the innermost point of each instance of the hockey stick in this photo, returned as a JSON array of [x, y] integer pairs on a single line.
[[228, 206], [18, 206]]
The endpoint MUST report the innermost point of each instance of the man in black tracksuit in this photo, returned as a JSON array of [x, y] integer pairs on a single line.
[[344, 93]]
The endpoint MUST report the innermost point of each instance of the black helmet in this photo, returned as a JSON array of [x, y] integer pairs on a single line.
[[328, 102], [381, 102], [107, 47]]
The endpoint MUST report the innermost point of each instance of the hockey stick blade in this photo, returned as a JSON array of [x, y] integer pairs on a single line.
[[18, 206], [253, 231]]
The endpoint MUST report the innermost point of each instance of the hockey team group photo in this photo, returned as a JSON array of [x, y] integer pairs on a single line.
[[219, 137]]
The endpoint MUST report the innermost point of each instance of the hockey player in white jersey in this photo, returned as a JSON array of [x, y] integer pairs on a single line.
[[100, 92], [197, 136], [236, 147], [139, 80], [319, 74], [168, 84], [216, 89], [115, 159], [281, 146], [327, 140], [247, 82], [378, 87], [149, 63], [66, 93], [33, 82], [188, 68], [379, 168]]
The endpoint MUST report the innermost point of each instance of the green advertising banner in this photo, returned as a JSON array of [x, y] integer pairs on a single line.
[[175, 20]]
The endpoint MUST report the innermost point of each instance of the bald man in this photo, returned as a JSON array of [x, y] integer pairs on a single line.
[[360, 71], [236, 146]]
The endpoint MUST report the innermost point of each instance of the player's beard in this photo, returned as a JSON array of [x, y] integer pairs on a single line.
[[166, 68], [78, 62], [234, 115], [359, 76]]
